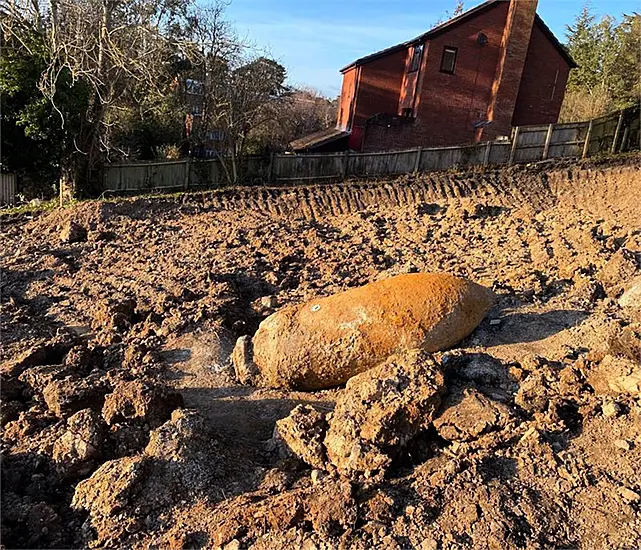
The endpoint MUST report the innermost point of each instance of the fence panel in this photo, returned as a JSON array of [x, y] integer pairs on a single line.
[[148, 176], [443, 158], [472, 155], [530, 143], [500, 152], [8, 184], [565, 140], [381, 164], [307, 167], [603, 130], [168, 176]]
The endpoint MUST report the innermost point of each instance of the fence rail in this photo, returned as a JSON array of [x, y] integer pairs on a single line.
[[613, 133]]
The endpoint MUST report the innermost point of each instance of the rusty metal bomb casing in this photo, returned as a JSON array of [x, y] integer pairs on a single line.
[[324, 342]]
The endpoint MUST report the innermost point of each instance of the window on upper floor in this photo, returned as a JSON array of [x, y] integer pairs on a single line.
[[448, 61], [417, 54]]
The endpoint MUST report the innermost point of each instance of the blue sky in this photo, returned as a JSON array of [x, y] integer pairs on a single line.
[[313, 39]]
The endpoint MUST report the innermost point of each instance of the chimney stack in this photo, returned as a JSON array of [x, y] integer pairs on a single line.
[[507, 80]]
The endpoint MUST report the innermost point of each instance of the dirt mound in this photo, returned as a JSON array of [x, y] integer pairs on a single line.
[[124, 425]]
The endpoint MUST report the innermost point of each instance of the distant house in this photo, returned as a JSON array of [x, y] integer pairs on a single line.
[[467, 80]]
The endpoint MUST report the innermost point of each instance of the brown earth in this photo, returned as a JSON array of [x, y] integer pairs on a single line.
[[124, 426]]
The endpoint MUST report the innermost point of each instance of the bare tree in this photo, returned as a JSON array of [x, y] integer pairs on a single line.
[[302, 112], [121, 49], [132, 55], [234, 90]]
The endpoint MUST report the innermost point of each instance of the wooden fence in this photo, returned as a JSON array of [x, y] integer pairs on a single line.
[[8, 183], [610, 134]]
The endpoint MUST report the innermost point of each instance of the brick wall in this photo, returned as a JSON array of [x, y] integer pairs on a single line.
[[411, 80], [509, 80], [542, 89], [448, 105], [379, 86], [515, 45], [348, 91], [377, 91]]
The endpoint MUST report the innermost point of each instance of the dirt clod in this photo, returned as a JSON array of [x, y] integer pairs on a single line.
[[79, 449], [73, 232], [69, 395], [140, 401], [616, 375], [469, 414], [381, 410], [301, 434]]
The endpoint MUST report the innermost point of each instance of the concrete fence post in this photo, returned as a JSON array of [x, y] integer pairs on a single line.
[[515, 142], [417, 160], [616, 134], [345, 164], [586, 144], [548, 139], [486, 155]]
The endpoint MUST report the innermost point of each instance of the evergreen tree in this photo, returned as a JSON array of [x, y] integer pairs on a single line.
[[607, 53]]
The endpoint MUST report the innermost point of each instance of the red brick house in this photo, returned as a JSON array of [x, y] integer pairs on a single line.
[[470, 79]]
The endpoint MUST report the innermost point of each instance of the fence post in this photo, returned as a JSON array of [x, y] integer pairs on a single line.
[[624, 139], [188, 173], [486, 155], [548, 138], [515, 141], [270, 167], [616, 134], [417, 160], [345, 163], [586, 145]]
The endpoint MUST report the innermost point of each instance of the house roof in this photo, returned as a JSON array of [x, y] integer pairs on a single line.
[[451, 23], [318, 138]]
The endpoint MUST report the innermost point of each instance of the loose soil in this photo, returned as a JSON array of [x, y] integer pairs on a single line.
[[124, 425]]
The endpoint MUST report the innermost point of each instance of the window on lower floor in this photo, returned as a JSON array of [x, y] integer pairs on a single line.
[[448, 61]]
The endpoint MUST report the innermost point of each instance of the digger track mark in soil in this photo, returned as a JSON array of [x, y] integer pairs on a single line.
[[316, 202]]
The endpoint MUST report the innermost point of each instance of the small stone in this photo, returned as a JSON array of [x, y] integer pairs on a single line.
[[495, 322], [233, 545], [623, 444], [595, 356], [611, 409], [268, 302], [629, 494], [73, 232], [246, 370], [317, 476], [429, 544], [631, 298]]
